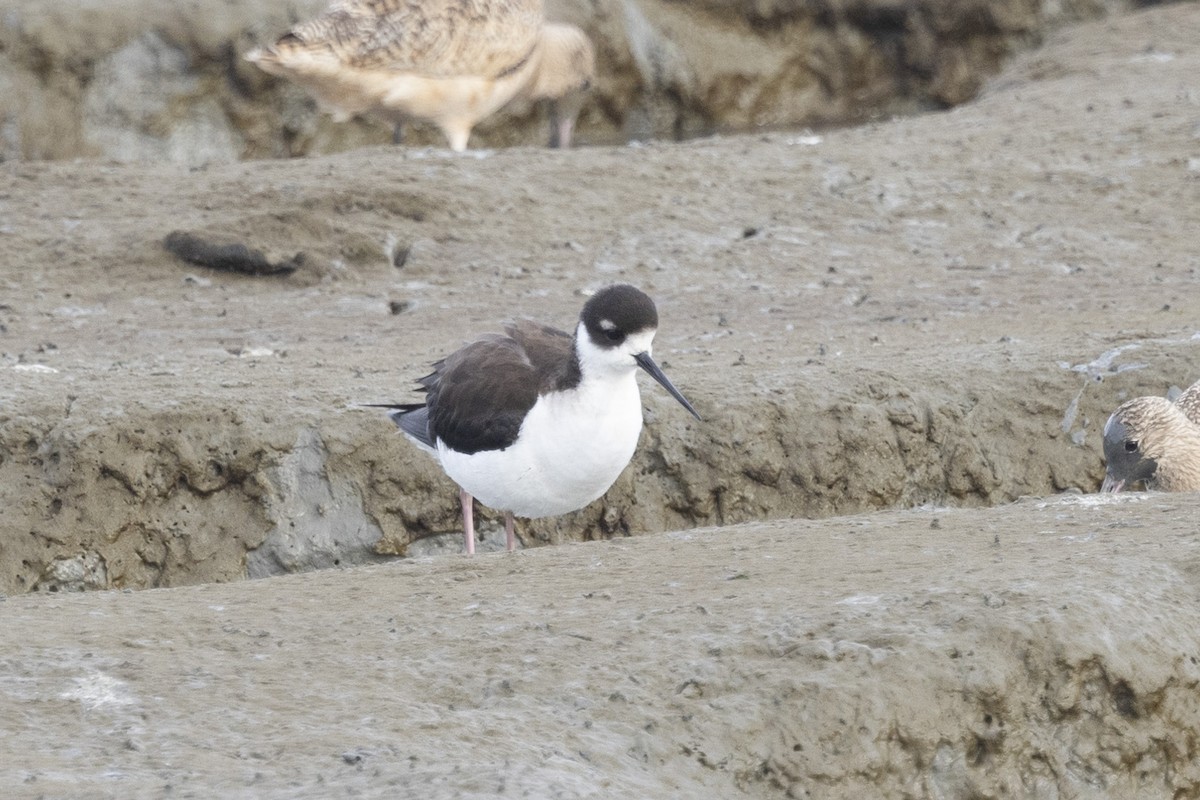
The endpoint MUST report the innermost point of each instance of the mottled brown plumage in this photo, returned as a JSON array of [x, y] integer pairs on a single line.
[[450, 62], [1153, 440], [427, 37], [1189, 402]]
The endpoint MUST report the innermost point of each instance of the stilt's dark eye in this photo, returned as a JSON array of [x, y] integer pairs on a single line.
[[614, 335], [1131, 447]]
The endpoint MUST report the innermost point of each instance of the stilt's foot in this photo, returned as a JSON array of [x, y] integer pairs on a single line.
[[468, 513], [510, 532]]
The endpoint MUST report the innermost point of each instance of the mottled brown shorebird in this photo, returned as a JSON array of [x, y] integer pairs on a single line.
[[1153, 440], [448, 62], [537, 422]]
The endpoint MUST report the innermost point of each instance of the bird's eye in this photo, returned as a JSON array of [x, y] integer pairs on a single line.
[[613, 335], [1131, 446]]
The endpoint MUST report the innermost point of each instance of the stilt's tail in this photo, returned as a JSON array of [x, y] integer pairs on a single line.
[[412, 418]]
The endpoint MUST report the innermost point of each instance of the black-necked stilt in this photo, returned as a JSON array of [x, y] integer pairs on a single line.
[[536, 422]]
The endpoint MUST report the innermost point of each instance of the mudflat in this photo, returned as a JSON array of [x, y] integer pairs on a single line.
[[915, 323]]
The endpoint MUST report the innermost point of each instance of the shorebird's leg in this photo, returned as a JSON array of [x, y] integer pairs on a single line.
[[398, 132], [510, 533], [562, 124], [457, 134], [468, 510]]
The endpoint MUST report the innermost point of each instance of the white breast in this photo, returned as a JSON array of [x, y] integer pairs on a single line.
[[571, 448]]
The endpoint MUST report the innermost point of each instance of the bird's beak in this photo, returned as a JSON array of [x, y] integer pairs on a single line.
[[647, 363], [1111, 484]]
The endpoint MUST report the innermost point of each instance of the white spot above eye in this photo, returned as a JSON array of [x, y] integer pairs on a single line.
[[608, 325]]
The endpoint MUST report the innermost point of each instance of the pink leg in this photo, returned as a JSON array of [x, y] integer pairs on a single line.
[[468, 509], [510, 533]]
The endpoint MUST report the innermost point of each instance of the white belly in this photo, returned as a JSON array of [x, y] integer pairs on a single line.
[[571, 448]]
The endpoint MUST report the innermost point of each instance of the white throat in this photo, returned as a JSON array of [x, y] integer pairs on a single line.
[[610, 363]]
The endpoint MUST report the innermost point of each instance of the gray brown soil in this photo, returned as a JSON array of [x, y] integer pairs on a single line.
[[1046, 649], [915, 322]]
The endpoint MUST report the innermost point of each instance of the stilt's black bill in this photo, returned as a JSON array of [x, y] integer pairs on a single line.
[[647, 363]]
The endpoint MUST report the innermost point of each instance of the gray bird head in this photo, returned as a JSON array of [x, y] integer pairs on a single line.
[[1127, 462]]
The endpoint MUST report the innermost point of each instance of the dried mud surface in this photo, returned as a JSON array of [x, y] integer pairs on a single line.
[[1045, 649], [935, 312]]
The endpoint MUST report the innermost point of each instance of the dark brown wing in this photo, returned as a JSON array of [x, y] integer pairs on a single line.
[[478, 397], [550, 351]]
